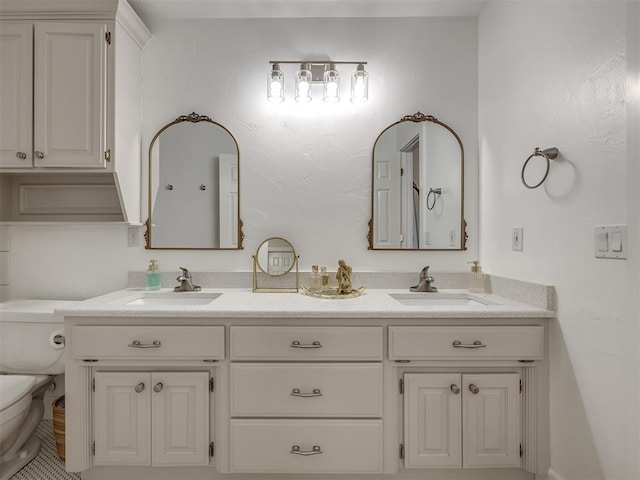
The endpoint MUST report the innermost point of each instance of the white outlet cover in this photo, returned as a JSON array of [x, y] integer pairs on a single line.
[[610, 241]]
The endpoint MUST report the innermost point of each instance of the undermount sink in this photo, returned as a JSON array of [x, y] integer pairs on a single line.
[[440, 299], [174, 298]]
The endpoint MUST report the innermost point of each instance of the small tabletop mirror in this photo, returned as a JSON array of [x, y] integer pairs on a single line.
[[273, 261]]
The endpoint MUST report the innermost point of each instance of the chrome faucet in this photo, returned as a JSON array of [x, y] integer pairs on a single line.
[[186, 285], [424, 284]]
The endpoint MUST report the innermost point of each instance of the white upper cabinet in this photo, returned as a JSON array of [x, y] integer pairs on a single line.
[[16, 95], [70, 95]]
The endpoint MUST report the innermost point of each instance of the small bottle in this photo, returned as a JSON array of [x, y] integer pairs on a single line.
[[315, 280], [153, 276], [325, 277], [476, 278]]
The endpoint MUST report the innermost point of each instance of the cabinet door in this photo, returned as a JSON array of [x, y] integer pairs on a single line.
[[16, 95], [70, 95], [180, 404], [432, 420], [122, 415], [491, 430]]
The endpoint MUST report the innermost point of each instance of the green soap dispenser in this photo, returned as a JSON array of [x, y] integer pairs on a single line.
[[476, 278], [153, 276]]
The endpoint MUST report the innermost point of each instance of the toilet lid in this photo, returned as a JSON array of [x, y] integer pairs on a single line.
[[13, 388]]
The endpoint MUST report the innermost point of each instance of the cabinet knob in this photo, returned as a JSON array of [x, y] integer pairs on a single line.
[[39, 154], [474, 389], [139, 387], [295, 450], [158, 387], [21, 155], [455, 389]]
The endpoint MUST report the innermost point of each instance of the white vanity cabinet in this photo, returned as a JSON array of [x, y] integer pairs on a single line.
[[151, 418], [142, 394], [461, 420], [306, 399], [463, 404], [53, 95]]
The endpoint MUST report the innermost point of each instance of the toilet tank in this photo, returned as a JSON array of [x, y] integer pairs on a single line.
[[26, 329]]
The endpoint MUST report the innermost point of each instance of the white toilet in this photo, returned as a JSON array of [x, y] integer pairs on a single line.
[[29, 358]]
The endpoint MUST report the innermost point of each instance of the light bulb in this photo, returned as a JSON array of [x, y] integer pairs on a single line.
[[331, 80], [275, 83], [359, 85]]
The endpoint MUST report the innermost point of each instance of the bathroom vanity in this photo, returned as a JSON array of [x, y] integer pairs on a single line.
[[220, 382]]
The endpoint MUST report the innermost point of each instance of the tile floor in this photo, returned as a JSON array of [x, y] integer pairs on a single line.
[[47, 465]]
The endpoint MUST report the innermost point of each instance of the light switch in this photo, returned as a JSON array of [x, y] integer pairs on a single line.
[[616, 241], [610, 241], [603, 241]]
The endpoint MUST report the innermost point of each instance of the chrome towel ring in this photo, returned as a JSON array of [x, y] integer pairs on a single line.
[[435, 192], [549, 154]]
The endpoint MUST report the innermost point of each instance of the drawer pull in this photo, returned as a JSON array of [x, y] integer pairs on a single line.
[[474, 389], [158, 387], [316, 450], [455, 389], [137, 344], [476, 344], [21, 155], [139, 387], [297, 393], [297, 344]]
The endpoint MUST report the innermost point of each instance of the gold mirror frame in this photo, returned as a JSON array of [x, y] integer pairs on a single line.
[[419, 117], [193, 118], [258, 268]]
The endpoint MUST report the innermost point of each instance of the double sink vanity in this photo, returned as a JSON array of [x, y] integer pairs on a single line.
[[226, 383]]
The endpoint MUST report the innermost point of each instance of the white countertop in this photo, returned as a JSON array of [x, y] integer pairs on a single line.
[[243, 303]]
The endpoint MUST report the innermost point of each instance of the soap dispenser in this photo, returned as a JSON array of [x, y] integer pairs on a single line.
[[153, 276], [476, 278]]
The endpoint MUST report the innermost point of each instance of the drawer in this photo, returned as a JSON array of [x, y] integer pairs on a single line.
[[306, 446], [306, 343], [445, 343], [148, 342], [303, 390]]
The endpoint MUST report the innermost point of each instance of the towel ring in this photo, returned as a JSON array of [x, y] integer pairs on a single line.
[[548, 154], [435, 192]]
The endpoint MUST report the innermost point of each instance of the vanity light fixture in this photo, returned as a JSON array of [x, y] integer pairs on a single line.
[[313, 72]]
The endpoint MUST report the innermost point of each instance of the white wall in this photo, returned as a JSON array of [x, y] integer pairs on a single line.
[[305, 170], [553, 74]]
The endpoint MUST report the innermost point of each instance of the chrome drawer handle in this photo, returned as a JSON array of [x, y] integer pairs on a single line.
[[137, 344], [316, 450], [139, 387], [314, 393], [297, 344], [476, 344]]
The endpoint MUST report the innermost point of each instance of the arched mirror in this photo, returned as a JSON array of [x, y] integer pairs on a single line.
[[275, 257], [417, 187], [194, 188]]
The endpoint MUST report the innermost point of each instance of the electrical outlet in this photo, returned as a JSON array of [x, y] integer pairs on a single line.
[[517, 238], [133, 237]]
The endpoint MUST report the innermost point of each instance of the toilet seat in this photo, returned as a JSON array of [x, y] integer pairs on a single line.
[[13, 388]]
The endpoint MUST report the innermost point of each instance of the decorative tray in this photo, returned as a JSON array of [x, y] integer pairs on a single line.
[[332, 293]]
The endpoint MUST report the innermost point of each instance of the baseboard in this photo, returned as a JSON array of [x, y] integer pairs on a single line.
[[553, 475]]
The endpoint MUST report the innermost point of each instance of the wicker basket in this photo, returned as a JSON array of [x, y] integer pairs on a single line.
[[58, 425]]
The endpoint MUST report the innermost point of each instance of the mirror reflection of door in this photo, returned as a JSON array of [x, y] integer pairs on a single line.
[[277, 254]]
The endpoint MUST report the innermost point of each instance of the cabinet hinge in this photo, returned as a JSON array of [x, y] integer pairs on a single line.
[[521, 452], [93, 448], [401, 386], [402, 172], [211, 384], [401, 451], [107, 155], [107, 37], [212, 450], [93, 384], [520, 385]]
